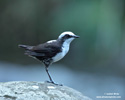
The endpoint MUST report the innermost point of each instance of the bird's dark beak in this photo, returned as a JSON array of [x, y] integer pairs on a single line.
[[76, 36]]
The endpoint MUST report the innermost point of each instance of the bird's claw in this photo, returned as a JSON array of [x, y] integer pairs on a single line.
[[54, 83]]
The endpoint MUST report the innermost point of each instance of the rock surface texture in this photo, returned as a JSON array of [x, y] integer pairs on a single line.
[[38, 91]]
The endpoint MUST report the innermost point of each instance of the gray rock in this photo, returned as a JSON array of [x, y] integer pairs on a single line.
[[38, 91]]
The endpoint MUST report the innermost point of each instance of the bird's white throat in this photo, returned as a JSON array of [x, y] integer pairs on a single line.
[[65, 49]]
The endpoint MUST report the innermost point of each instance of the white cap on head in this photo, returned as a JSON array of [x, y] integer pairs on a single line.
[[67, 32]]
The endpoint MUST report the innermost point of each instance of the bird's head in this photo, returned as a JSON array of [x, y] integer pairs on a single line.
[[67, 37]]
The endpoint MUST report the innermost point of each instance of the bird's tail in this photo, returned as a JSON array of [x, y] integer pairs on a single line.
[[26, 47]]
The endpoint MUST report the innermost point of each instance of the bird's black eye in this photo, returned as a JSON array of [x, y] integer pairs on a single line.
[[68, 36]]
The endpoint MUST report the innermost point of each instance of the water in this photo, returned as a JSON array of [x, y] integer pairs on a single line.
[[89, 84]]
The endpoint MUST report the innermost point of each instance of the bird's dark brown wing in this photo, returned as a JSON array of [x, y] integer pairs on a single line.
[[46, 50]]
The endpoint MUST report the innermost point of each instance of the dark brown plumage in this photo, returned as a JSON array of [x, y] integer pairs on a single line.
[[51, 51]]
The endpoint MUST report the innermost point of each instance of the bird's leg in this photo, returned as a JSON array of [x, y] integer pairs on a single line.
[[51, 81], [47, 63]]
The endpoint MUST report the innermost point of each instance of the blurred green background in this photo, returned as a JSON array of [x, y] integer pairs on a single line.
[[99, 23]]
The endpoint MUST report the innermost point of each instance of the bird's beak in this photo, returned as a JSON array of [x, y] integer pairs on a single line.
[[76, 36]]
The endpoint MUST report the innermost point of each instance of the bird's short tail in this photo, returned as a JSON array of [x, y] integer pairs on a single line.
[[26, 47]]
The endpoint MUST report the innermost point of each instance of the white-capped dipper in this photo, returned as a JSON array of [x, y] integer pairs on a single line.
[[51, 51]]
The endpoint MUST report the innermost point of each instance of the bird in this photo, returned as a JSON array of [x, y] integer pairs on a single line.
[[51, 51]]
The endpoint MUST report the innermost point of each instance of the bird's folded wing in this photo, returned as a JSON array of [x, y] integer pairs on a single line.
[[31, 53], [46, 50]]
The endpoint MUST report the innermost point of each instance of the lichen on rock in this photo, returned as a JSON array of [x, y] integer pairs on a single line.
[[38, 91]]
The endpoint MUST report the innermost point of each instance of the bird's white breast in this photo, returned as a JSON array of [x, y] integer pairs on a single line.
[[59, 56]]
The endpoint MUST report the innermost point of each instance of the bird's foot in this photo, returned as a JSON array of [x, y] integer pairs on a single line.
[[54, 83]]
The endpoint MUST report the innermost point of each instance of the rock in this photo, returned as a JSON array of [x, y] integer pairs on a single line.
[[38, 91]]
